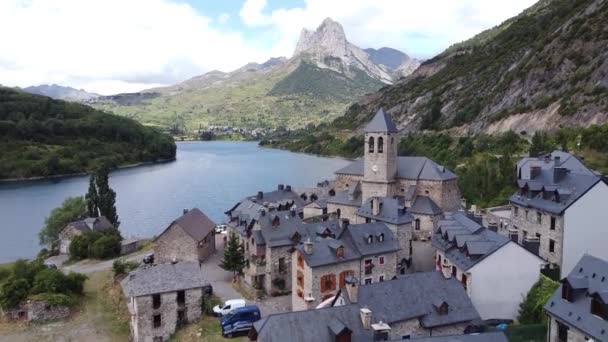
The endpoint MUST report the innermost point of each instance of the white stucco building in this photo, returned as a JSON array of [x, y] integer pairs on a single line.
[[496, 272]]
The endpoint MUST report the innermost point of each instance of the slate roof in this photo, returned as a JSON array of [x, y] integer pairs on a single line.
[[195, 223], [313, 325], [412, 296], [277, 236], [577, 313], [391, 211], [88, 224], [381, 123], [497, 336], [160, 278], [464, 234], [546, 192], [344, 198], [425, 205], [354, 241], [408, 168]]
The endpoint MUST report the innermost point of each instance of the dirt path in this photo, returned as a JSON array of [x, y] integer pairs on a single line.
[[88, 267]]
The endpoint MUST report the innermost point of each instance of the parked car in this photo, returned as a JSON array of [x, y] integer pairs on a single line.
[[240, 320], [221, 229], [229, 305], [149, 259]]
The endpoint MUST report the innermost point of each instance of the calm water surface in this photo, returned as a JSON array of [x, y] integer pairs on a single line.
[[209, 175]]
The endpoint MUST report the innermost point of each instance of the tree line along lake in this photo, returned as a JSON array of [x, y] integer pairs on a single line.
[[212, 176]]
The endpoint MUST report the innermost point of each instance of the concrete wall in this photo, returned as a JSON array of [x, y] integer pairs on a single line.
[[585, 228], [142, 328], [500, 282]]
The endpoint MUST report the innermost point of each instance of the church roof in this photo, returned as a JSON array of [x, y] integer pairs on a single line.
[[408, 168], [381, 123]]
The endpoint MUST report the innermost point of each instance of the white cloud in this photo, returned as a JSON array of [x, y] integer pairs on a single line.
[[223, 18], [110, 46], [421, 28]]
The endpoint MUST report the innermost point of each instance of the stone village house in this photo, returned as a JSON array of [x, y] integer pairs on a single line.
[[495, 272], [76, 228], [578, 310], [560, 207], [162, 296], [416, 305], [191, 237], [321, 264], [37, 311]]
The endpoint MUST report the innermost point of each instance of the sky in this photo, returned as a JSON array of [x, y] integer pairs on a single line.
[[113, 46]]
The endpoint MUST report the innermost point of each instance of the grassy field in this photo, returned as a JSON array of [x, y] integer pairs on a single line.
[[206, 330]]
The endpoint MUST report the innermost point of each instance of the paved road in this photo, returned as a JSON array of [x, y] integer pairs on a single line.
[[88, 267]]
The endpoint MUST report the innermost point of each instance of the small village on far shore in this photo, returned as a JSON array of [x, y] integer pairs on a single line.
[[386, 251]]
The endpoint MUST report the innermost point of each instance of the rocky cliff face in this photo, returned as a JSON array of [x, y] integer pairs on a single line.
[[544, 69], [328, 48], [396, 62]]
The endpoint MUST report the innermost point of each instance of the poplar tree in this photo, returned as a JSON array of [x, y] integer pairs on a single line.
[[106, 197], [92, 198]]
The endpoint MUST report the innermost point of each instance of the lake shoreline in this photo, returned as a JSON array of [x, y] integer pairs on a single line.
[[80, 174]]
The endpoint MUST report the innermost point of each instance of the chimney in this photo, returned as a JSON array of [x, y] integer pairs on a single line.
[[185, 211], [493, 227], [558, 160], [260, 195], [288, 188], [381, 331], [292, 211], [263, 212], [344, 222], [308, 246], [366, 318], [532, 244], [534, 171], [281, 187], [559, 173], [352, 288], [375, 206]]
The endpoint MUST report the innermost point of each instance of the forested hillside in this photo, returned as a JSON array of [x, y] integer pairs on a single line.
[[42, 137]]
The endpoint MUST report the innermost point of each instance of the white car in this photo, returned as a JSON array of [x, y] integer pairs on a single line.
[[221, 229], [229, 305]]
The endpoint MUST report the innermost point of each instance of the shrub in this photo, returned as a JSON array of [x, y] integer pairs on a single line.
[[12, 292], [106, 247], [55, 299], [79, 247], [122, 267], [531, 309]]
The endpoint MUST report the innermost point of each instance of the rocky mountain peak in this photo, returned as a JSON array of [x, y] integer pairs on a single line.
[[329, 38]]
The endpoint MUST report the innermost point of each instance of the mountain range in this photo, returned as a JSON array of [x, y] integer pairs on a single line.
[[61, 93], [541, 70], [323, 77]]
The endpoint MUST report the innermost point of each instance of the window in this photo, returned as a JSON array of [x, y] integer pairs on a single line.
[[539, 217], [328, 282], [551, 246], [516, 211], [567, 291], [181, 315], [370, 144], [247, 246], [599, 309], [343, 276], [300, 294], [368, 220], [181, 297], [155, 301], [562, 332], [381, 237], [368, 266], [381, 278], [538, 236], [340, 252], [300, 279], [552, 223], [368, 281], [156, 321], [526, 214], [381, 260], [464, 281], [406, 337], [370, 239], [282, 266], [454, 271], [525, 233], [380, 145], [417, 224], [300, 261]]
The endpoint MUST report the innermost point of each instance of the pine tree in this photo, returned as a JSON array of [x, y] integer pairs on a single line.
[[106, 197], [92, 198], [234, 256]]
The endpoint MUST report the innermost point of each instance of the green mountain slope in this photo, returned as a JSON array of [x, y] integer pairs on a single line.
[[42, 137], [543, 69]]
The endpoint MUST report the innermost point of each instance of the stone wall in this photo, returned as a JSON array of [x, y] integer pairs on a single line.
[[175, 243], [403, 233], [273, 256], [444, 193], [346, 211], [574, 335], [376, 189], [527, 225], [343, 182], [427, 224], [387, 270], [37, 311], [168, 311]]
